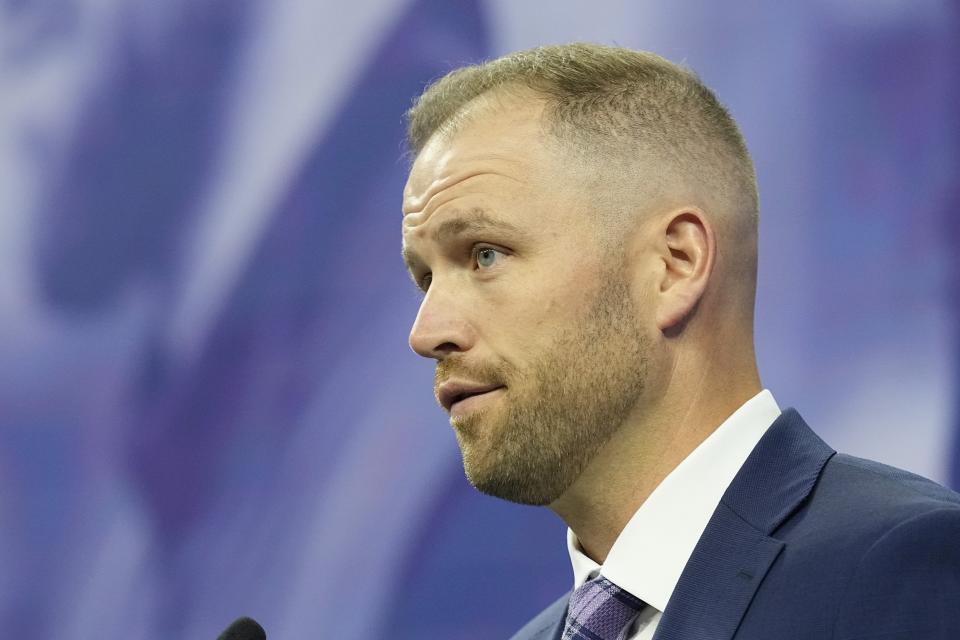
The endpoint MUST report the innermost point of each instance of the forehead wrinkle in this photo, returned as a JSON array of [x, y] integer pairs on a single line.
[[436, 188], [415, 219], [422, 204]]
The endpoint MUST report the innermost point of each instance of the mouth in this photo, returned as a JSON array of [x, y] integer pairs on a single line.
[[471, 394], [469, 402], [456, 392]]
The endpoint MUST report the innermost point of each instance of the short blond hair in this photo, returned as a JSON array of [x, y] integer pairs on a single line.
[[608, 98]]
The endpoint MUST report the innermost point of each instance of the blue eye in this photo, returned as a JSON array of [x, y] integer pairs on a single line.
[[485, 256]]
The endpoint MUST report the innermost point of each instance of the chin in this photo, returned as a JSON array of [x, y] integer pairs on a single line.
[[536, 489]]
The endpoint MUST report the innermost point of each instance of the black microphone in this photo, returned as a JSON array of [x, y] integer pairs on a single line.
[[243, 629]]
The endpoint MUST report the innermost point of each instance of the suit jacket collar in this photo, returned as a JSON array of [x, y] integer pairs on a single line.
[[736, 549]]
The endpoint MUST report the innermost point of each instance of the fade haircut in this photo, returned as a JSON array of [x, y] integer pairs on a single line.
[[613, 101]]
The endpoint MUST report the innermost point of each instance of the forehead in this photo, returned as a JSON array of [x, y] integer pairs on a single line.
[[500, 139]]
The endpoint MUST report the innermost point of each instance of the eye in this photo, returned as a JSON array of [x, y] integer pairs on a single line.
[[485, 256]]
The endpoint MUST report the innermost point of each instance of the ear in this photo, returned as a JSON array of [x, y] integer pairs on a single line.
[[689, 249]]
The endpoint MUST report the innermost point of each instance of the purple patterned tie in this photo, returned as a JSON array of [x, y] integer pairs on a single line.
[[600, 610]]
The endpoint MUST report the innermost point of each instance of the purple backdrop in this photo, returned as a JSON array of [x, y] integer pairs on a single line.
[[207, 404]]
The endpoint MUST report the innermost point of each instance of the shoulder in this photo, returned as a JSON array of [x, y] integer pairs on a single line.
[[902, 484], [547, 622], [855, 503], [879, 494], [903, 570], [870, 552], [907, 583]]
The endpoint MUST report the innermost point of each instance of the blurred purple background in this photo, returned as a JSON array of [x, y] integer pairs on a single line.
[[207, 404]]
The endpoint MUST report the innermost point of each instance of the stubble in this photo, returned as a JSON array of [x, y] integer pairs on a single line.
[[556, 414]]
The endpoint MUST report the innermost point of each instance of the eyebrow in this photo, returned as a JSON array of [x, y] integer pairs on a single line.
[[476, 220]]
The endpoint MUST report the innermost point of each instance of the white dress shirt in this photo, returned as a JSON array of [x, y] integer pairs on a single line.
[[650, 553]]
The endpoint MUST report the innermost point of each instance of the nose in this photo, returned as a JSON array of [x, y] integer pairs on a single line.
[[440, 328]]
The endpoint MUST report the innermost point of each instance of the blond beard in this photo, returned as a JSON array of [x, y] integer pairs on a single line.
[[535, 440]]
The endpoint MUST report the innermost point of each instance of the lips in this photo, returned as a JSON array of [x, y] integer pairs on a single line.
[[453, 391]]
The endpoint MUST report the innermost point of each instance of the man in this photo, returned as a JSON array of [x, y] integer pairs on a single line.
[[583, 223]]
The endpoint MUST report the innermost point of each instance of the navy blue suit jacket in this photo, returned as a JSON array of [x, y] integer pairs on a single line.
[[808, 544]]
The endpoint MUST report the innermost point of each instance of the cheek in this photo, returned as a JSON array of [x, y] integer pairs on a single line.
[[557, 303], [573, 289], [533, 306]]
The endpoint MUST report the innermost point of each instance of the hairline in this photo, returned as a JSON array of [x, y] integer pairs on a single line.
[[721, 161]]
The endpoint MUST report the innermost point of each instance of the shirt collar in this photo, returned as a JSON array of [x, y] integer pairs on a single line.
[[650, 553]]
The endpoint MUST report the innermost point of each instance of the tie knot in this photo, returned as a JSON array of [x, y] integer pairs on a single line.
[[600, 610]]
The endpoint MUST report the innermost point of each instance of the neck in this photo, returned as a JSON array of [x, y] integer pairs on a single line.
[[643, 452]]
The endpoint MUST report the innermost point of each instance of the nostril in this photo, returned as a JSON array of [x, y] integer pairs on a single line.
[[447, 347]]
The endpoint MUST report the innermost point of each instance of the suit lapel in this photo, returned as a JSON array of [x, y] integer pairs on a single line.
[[736, 549], [719, 580]]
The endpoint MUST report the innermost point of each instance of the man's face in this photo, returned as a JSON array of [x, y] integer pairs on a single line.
[[521, 296]]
